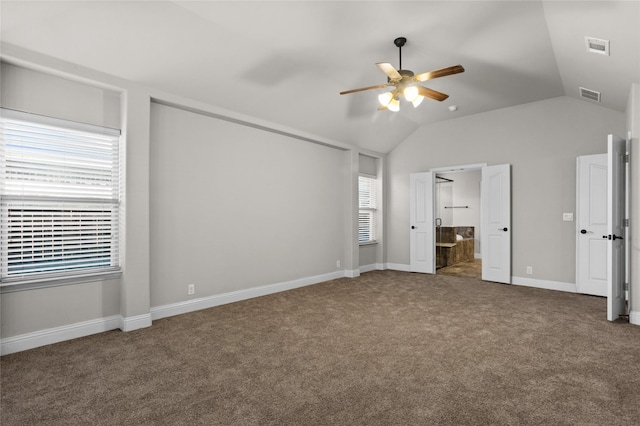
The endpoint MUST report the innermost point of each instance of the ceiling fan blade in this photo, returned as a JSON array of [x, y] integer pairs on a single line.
[[378, 86], [432, 94], [389, 70], [438, 73]]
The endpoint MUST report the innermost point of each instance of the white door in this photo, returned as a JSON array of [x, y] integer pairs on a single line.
[[615, 228], [591, 225], [422, 235], [496, 223]]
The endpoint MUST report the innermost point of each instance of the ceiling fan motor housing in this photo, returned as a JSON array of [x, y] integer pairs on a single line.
[[400, 41], [407, 79]]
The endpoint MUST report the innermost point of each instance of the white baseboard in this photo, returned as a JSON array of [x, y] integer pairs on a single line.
[[372, 267], [528, 282], [49, 336], [73, 331], [634, 317], [236, 296], [135, 322], [398, 267], [352, 273], [548, 285], [367, 268]]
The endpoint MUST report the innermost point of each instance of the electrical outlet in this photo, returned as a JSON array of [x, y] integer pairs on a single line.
[[567, 217], [191, 289], [529, 270], [337, 263]]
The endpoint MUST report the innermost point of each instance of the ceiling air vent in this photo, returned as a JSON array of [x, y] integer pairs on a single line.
[[592, 95], [597, 45]]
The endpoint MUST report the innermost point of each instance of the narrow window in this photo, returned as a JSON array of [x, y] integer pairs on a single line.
[[367, 209], [59, 200]]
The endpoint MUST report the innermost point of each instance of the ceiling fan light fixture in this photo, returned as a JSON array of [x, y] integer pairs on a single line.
[[411, 93], [394, 105], [417, 101], [385, 98]]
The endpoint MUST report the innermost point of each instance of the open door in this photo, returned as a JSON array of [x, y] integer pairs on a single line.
[[496, 223], [616, 153], [422, 236], [591, 225]]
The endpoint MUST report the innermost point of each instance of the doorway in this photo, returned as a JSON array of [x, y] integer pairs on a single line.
[[457, 223], [495, 194]]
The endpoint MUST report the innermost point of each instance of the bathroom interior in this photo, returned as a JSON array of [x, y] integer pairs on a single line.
[[457, 230]]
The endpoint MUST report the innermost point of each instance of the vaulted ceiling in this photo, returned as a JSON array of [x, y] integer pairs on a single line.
[[286, 62]]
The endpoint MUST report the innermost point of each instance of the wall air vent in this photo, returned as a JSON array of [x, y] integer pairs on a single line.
[[592, 95], [597, 45]]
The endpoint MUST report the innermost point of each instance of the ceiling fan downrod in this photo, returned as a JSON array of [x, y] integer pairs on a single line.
[[399, 42]]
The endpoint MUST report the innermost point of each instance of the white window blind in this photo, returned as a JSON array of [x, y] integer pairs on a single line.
[[367, 209], [59, 199]]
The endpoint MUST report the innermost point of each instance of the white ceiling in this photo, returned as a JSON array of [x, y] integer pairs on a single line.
[[286, 61]]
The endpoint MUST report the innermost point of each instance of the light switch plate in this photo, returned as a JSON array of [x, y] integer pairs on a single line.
[[567, 217]]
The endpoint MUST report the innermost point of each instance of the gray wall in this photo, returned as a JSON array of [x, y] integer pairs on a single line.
[[40, 93], [233, 207], [45, 94], [541, 141], [259, 207]]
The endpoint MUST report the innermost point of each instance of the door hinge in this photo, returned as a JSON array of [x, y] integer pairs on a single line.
[[626, 223], [626, 286], [626, 158]]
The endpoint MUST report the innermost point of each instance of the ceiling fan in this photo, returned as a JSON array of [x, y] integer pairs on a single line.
[[405, 83]]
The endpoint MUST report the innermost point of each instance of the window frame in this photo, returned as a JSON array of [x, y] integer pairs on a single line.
[[370, 210], [63, 203]]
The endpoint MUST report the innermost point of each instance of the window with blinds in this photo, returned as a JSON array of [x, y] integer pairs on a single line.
[[59, 199], [367, 209]]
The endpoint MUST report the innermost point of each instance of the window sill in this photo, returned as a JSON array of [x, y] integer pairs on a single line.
[[33, 284], [368, 243]]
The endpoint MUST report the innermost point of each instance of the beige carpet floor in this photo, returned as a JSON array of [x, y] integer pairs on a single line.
[[388, 348]]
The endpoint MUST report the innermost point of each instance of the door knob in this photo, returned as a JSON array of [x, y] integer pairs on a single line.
[[413, 227], [583, 231], [503, 229], [612, 237]]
